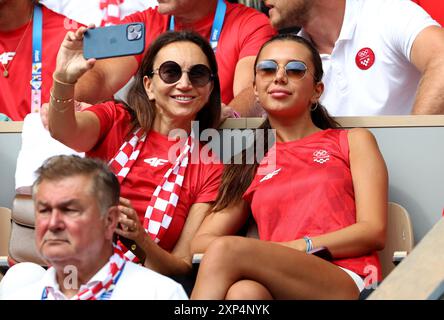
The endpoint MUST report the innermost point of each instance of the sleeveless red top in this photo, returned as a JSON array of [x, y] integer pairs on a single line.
[[308, 193]]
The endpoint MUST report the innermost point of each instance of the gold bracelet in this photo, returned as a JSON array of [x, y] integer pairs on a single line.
[[60, 101], [61, 82]]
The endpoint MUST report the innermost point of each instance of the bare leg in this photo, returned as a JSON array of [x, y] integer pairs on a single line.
[[286, 273], [248, 290]]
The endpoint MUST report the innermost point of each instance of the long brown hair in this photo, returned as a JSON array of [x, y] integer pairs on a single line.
[[236, 178], [143, 110]]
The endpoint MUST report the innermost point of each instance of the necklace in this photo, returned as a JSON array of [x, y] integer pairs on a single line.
[[6, 67]]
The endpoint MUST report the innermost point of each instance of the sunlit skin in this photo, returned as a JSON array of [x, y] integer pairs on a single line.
[[177, 103], [285, 97], [14, 14], [288, 13]]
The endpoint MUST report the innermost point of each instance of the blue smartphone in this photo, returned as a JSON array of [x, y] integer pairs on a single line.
[[114, 41]]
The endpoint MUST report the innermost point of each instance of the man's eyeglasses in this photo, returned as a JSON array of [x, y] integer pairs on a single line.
[[171, 72], [295, 70]]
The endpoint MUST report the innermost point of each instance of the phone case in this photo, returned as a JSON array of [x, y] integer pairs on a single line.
[[114, 41]]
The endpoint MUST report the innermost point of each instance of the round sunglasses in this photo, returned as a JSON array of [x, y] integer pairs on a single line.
[[295, 70], [170, 72]]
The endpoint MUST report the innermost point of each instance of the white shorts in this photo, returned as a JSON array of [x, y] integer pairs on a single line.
[[356, 278]]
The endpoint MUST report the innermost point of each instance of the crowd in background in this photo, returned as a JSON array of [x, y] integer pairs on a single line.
[[206, 63]]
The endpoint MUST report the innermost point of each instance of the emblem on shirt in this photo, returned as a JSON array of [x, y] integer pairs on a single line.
[[6, 57], [155, 162], [365, 58], [321, 156], [270, 175]]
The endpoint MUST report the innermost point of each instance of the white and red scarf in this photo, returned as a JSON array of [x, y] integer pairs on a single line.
[[98, 290], [111, 12], [160, 210]]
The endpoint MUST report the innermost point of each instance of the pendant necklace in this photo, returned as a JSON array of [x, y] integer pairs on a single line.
[[6, 67]]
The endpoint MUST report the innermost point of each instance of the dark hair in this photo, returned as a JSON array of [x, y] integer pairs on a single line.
[[104, 182], [140, 106], [236, 178]]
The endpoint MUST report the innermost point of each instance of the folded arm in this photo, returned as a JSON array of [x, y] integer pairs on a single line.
[[426, 55]]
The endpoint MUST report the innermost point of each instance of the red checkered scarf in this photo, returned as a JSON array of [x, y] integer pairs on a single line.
[[111, 12], [102, 289], [160, 210]]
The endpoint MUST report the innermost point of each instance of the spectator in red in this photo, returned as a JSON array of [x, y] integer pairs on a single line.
[[165, 196], [434, 7], [30, 37], [238, 31], [328, 188]]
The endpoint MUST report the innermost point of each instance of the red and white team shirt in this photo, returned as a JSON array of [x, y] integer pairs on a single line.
[[15, 90], [244, 31], [308, 193], [201, 181], [99, 12], [111, 11]]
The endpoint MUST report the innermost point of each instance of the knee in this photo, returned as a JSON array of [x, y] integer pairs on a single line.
[[222, 252], [248, 290]]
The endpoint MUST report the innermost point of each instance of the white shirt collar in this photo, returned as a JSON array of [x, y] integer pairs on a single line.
[[352, 10], [50, 281]]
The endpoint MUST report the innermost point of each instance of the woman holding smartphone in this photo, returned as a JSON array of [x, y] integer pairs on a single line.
[[165, 196], [327, 189]]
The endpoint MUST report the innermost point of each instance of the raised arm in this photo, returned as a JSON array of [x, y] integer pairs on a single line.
[[78, 130], [217, 224], [426, 55], [105, 79], [370, 183]]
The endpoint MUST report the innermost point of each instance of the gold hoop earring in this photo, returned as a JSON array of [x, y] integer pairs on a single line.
[[315, 107]]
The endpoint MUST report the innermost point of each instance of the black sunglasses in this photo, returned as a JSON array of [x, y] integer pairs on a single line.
[[295, 70], [170, 72]]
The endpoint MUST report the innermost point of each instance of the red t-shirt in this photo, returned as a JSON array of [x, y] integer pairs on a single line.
[[243, 33], [308, 193], [201, 180], [15, 91], [434, 7]]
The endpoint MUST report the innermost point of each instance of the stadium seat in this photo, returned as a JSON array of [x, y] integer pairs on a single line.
[[5, 227], [21, 244], [399, 241]]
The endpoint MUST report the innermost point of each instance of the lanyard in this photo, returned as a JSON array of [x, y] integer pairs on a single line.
[[108, 291], [36, 73], [217, 23]]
